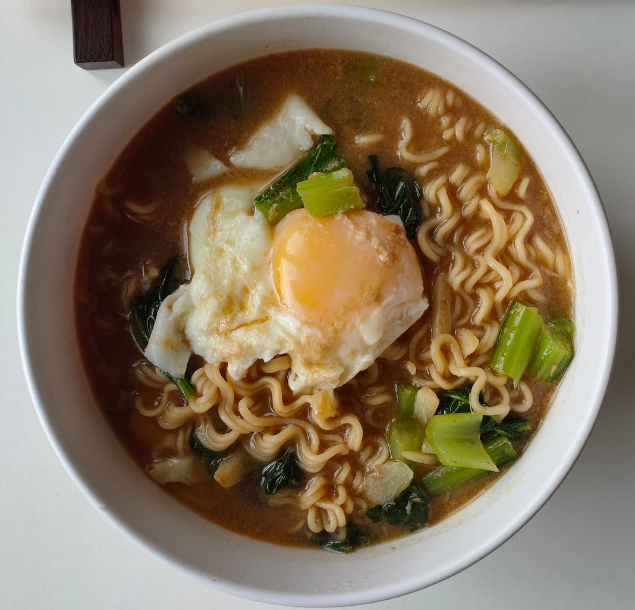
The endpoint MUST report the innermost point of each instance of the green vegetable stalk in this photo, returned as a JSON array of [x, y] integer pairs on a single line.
[[505, 160], [458, 401], [329, 194], [554, 351], [444, 479], [517, 340], [282, 196], [406, 434], [456, 439], [406, 395]]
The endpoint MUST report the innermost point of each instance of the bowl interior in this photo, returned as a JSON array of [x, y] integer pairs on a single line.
[[95, 457]]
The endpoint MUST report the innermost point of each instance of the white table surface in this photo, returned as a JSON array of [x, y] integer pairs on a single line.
[[56, 551]]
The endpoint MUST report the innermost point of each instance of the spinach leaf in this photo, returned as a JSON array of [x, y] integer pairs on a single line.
[[512, 429], [399, 193], [355, 537], [282, 196], [454, 401], [210, 459], [145, 307], [144, 314], [458, 401], [410, 509], [282, 472]]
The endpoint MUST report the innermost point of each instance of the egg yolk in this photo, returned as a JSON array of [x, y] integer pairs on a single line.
[[326, 270]]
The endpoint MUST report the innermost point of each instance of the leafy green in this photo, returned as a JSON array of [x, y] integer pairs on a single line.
[[444, 479], [512, 429], [410, 508], [282, 196], [189, 104], [144, 314], [454, 401], [399, 193], [406, 395], [517, 340], [146, 306], [456, 439], [406, 434], [505, 160], [565, 326], [282, 472], [458, 401], [354, 537], [210, 459], [554, 351], [330, 194]]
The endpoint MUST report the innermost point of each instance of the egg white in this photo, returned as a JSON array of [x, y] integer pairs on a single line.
[[231, 313]]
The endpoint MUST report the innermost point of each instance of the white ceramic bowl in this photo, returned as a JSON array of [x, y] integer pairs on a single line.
[[100, 465]]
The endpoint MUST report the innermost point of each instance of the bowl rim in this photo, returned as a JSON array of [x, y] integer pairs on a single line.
[[368, 15]]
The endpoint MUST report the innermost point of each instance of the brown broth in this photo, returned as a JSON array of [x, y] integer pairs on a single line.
[[151, 170]]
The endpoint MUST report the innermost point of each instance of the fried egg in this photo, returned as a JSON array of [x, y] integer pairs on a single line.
[[332, 292]]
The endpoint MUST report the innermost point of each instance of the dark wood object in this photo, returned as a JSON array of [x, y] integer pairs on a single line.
[[97, 42]]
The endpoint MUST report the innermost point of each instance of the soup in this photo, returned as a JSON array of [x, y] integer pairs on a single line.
[[324, 298]]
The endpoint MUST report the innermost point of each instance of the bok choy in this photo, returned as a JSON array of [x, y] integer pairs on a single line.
[[505, 160], [456, 439], [458, 401], [444, 479], [329, 194], [517, 340], [553, 352], [282, 196]]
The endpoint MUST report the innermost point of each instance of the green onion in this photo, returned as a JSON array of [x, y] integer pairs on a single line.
[[410, 508], [447, 478], [329, 194], [517, 340], [282, 196], [405, 435], [406, 395], [456, 439], [505, 160], [553, 354]]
